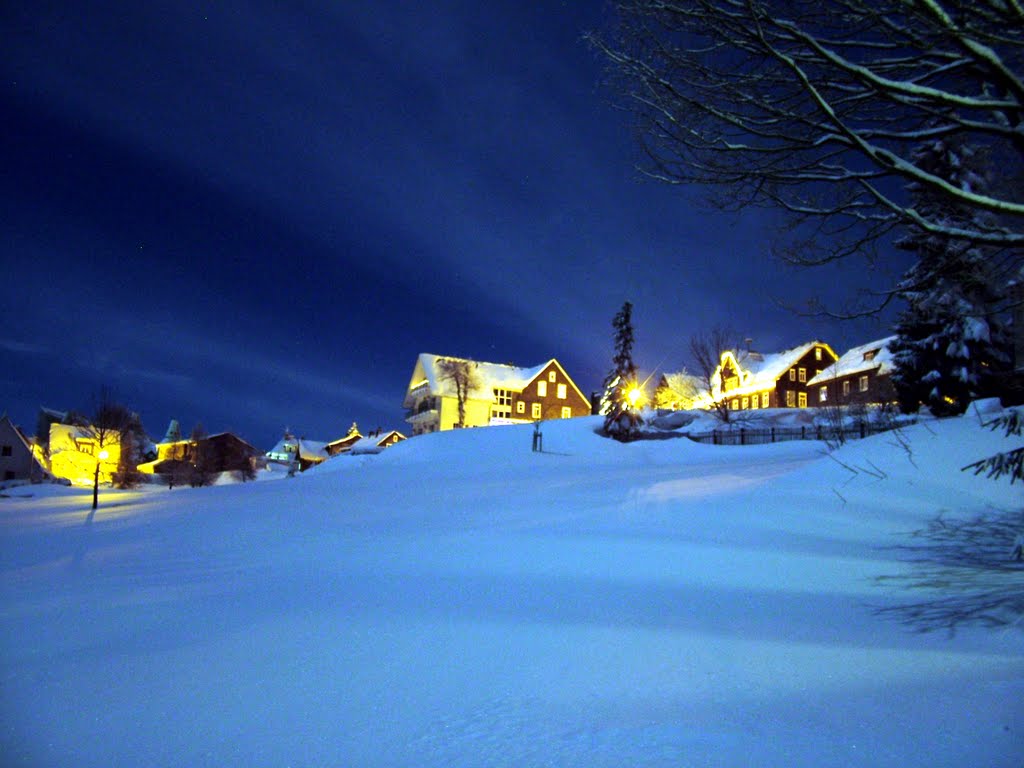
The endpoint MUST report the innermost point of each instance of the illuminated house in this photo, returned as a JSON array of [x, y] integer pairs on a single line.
[[501, 394], [344, 444], [75, 451], [17, 459], [297, 450], [222, 452], [747, 380], [376, 442], [679, 392], [862, 375]]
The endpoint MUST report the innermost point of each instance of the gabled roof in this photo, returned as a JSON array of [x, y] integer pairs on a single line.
[[490, 376], [5, 419], [761, 371], [873, 356], [310, 450]]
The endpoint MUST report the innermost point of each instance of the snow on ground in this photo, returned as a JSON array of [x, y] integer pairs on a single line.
[[460, 600]]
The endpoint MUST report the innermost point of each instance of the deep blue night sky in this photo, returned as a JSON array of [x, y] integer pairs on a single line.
[[255, 215]]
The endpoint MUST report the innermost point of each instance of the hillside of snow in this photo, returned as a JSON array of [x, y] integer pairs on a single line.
[[459, 600]]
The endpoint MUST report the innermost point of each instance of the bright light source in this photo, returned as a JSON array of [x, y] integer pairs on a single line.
[[633, 394], [103, 454]]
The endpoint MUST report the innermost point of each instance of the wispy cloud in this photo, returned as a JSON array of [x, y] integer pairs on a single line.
[[23, 347]]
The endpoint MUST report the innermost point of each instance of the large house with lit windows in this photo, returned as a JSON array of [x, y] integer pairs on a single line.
[[747, 379], [862, 375], [497, 394]]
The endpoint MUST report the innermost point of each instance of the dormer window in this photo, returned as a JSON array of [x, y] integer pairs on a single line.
[[870, 355], [817, 353], [552, 375]]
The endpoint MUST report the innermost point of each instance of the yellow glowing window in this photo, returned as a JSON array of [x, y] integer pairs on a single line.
[[764, 399], [542, 389], [732, 382], [566, 412], [754, 401], [746, 403], [790, 399], [802, 375], [552, 376], [562, 391], [801, 400], [535, 411], [520, 407], [792, 374], [734, 404], [817, 353]]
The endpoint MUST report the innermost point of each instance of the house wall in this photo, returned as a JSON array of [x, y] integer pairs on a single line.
[[550, 403], [16, 461], [73, 454], [879, 390]]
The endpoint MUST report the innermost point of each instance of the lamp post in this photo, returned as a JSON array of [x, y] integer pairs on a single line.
[[101, 456]]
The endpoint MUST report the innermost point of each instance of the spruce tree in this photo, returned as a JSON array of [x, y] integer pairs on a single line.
[[951, 343], [621, 420]]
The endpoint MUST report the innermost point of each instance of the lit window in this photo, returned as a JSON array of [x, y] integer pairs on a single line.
[[754, 401], [764, 399], [846, 387], [732, 382], [863, 383], [566, 412], [552, 376], [746, 403], [823, 395], [535, 411], [562, 392], [870, 355], [520, 407], [801, 399], [790, 399], [803, 374], [542, 389], [734, 404], [817, 353], [792, 374]]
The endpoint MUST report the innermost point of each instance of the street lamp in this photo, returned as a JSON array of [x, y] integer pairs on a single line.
[[101, 456]]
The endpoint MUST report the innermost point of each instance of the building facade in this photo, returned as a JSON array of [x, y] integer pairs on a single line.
[[496, 394]]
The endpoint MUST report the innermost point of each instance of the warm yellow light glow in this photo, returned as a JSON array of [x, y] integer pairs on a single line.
[[634, 395], [104, 454]]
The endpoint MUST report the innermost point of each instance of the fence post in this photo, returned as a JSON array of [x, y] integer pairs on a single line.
[[862, 430], [803, 433], [773, 434], [714, 437]]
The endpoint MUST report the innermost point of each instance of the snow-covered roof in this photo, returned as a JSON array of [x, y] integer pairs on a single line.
[[761, 371], [489, 376], [310, 450], [873, 356]]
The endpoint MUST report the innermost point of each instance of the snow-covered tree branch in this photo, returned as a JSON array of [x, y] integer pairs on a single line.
[[817, 106]]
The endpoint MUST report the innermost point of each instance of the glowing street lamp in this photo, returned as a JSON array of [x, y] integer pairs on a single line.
[[633, 395], [101, 456]]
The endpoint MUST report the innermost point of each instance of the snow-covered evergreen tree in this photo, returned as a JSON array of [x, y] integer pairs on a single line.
[[621, 419], [951, 344]]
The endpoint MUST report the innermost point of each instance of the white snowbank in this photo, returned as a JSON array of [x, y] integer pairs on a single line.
[[461, 600]]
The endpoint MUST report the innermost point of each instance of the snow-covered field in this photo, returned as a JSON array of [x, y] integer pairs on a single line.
[[461, 601]]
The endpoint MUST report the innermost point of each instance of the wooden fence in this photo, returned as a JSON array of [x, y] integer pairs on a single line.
[[748, 436]]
